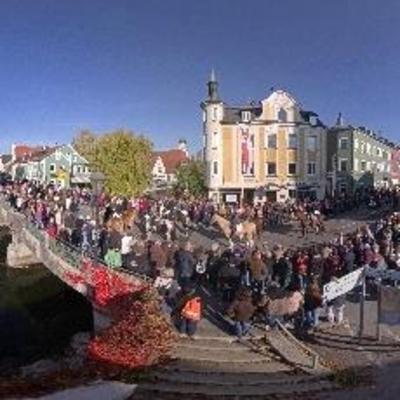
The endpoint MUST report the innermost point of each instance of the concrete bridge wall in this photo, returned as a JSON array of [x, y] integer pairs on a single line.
[[20, 256], [32, 246]]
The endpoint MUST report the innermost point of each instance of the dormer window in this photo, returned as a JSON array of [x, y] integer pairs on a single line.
[[282, 115], [246, 116]]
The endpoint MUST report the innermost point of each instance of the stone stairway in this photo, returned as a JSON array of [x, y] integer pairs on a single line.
[[210, 368], [216, 366]]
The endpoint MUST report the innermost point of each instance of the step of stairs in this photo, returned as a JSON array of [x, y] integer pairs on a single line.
[[230, 378], [261, 390], [231, 353], [212, 369]]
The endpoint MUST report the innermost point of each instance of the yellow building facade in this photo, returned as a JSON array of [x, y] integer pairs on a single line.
[[271, 150]]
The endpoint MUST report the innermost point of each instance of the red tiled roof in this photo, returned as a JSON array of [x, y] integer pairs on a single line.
[[23, 152], [172, 159]]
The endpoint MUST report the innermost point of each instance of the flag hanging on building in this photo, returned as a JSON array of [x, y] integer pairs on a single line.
[[389, 312]]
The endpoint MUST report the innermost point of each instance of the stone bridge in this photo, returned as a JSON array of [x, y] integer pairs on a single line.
[[98, 283]]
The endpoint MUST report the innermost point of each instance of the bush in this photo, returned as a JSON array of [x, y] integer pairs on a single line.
[[140, 337]]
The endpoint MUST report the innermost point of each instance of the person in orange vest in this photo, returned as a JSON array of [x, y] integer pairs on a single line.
[[190, 314]]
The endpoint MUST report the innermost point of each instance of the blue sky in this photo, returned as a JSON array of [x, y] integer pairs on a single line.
[[67, 65]]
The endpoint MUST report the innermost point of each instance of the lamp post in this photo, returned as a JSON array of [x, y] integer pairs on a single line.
[[97, 180]]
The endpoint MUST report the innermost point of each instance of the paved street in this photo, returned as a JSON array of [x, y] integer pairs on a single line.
[[386, 386], [290, 236]]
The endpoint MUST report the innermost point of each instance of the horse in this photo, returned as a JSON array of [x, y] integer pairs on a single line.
[[247, 230], [116, 223], [129, 217], [122, 222], [243, 230], [223, 224]]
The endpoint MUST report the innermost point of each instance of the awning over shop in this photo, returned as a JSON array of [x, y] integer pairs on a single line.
[[80, 180]]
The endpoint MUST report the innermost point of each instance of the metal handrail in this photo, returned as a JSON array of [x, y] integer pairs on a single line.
[[314, 354], [66, 250]]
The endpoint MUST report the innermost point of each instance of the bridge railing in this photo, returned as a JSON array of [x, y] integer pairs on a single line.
[[74, 256]]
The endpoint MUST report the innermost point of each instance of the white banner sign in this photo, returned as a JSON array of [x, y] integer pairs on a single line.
[[231, 198], [343, 285]]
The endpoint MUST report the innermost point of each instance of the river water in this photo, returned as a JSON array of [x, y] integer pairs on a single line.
[[38, 313]]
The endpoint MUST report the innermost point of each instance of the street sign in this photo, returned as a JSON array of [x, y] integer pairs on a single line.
[[343, 285]]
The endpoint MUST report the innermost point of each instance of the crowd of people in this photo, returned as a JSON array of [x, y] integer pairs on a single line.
[[252, 283]]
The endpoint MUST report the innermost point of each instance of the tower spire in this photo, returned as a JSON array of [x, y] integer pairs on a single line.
[[213, 87], [212, 76], [339, 120]]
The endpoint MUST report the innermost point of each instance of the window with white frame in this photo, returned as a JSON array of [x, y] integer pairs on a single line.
[[343, 167], [363, 148], [246, 116], [215, 140], [363, 166], [271, 168], [215, 167], [311, 168], [355, 164], [343, 143], [215, 113], [52, 168], [311, 143], [292, 169], [271, 141], [282, 115], [292, 141]]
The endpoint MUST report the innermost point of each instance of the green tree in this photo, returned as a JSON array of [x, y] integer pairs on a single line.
[[125, 159], [85, 143], [191, 178]]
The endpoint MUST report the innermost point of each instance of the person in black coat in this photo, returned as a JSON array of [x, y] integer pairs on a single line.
[[282, 269]]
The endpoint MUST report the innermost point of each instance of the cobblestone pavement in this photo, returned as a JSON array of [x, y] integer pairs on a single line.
[[290, 236]]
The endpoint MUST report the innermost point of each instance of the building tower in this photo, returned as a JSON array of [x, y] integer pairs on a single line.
[[182, 145], [213, 113]]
